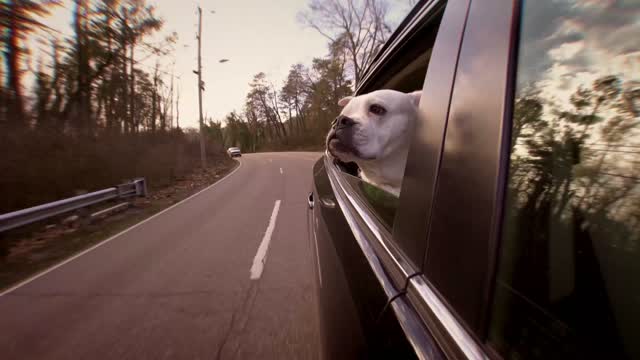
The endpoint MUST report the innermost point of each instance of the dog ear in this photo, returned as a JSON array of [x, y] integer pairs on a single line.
[[415, 97], [344, 101]]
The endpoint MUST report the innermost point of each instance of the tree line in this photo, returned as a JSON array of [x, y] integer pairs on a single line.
[[92, 81], [84, 111], [297, 113]]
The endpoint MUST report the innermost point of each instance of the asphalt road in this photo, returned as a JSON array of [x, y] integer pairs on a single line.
[[179, 286]]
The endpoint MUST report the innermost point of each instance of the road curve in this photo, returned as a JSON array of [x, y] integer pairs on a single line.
[[179, 285]]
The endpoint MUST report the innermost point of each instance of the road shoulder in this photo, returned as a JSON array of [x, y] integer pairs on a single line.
[[37, 249]]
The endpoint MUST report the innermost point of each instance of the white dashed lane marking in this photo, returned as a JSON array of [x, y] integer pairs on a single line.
[[261, 255]]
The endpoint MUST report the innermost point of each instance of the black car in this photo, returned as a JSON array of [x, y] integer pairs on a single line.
[[516, 233]]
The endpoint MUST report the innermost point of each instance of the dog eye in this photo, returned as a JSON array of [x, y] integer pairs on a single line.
[[377, 109]]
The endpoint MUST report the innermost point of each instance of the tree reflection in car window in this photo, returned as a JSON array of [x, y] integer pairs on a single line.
[[570, 257]]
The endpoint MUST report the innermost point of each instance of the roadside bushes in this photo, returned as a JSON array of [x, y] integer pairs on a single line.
[[38, 166]]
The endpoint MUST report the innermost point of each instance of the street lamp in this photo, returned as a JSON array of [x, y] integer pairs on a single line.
[[203, 153]]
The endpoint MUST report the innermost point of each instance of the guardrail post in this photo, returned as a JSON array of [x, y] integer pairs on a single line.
[[121, 190], [84, 217], [141, 187]]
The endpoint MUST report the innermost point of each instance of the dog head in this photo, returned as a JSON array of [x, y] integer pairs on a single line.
[[373, 126]]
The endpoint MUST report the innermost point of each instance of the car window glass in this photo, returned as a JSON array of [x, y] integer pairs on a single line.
[[567, 281], [380, 202]]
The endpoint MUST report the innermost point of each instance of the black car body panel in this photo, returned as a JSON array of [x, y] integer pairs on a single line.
[[359, 307], [351, 298], [463, 221]]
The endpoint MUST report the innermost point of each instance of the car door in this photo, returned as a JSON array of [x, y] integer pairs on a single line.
[[349, 295], [367, 247], [452, 292], [532, 241]]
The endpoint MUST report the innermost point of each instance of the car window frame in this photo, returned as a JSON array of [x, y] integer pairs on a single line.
[[393, 258], [465, 338], [413, 215]]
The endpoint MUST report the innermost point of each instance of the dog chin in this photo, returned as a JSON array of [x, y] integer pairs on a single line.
[[346, 153], [340, 150]]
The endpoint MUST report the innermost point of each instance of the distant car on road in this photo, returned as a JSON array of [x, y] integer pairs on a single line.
[[234, 151]]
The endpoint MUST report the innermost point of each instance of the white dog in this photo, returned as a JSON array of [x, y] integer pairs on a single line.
[[374, 131]]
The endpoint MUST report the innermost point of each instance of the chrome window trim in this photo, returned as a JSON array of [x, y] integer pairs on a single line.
[[423, 343], [421, 340], [454, 330], [358, 233]]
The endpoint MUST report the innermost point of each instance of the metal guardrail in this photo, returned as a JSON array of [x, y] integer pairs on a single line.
[[137, 187]]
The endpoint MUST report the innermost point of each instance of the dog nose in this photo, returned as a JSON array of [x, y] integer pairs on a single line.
[[344, 122]]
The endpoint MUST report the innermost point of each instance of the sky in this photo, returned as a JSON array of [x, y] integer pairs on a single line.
[[255, 35]]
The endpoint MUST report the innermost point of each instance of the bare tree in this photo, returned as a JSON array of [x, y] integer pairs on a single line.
[[19, 18], [154, 98], [83, 114], [293, 96], [262, 100], [358, 27]]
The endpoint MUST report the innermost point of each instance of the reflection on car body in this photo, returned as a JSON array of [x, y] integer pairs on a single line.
[[516, 232]]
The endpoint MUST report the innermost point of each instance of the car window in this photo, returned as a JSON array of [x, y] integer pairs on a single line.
[[567, 278], [406, 73], [382, 203]]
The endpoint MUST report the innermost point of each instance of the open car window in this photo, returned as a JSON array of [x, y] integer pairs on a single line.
[[404, 71], [380, 202]]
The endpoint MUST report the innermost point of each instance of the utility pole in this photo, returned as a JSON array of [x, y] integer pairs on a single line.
[[171, 103], [203, 154], [178, 106]]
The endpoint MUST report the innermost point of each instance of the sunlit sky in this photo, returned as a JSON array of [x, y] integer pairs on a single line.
[[255, 35]]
